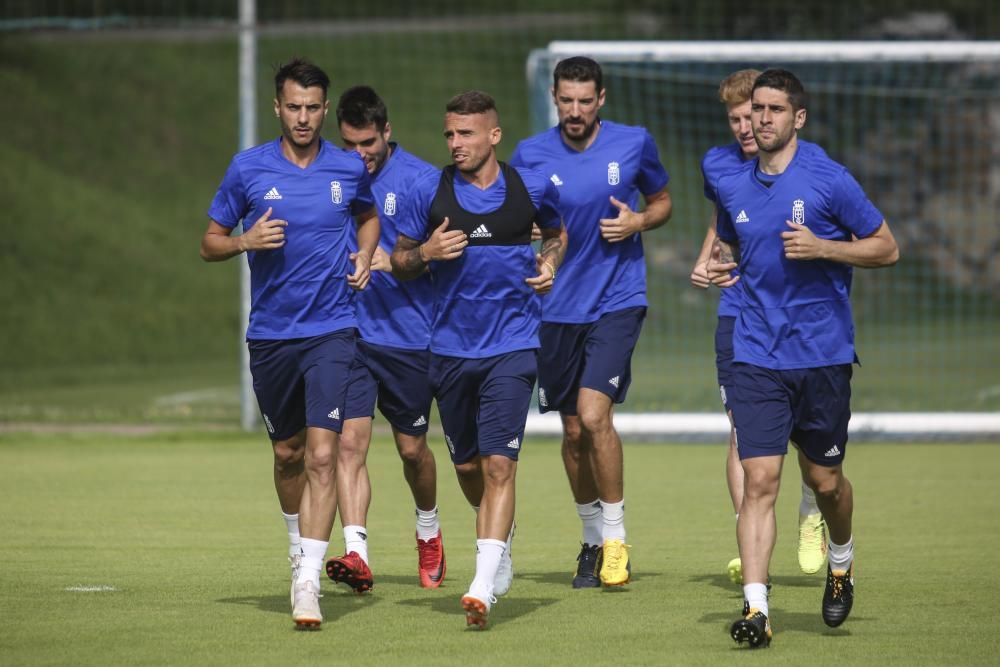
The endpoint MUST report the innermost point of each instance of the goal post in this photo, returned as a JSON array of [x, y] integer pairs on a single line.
[[918, 124]]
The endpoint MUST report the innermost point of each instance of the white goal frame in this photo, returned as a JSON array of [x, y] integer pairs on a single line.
[[715, 426]]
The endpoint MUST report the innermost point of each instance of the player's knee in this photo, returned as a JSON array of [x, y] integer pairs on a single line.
[[468, 471], [572, 434], [352, 447], [828, 488], [413, 454], [500, 471], [412, 450], [595, 419], [321, 459], [289, 454], [760, 484]]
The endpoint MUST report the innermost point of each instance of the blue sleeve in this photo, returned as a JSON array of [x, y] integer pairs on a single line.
[[413, 221], [548, 209], [544, 197], [852, 208], [724, 227], [652, 175], [230, 203], [517, 160], [363, 198], [709, 184]]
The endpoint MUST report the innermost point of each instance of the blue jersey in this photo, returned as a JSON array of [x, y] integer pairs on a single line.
[[299, 290], [796, 314], [718, 161], [391, 312], [482, 306], [596, 277]]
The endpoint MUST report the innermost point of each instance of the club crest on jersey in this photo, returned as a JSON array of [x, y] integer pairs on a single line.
[[336, 192], [389, 208], [799, 212], [614, 174]]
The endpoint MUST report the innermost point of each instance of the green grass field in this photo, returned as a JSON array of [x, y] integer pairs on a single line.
[[180, 532]]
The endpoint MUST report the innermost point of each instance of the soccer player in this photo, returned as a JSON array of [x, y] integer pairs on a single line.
[[795, 223], [298, 196], [391, 368], [471, 224], [734, 92], [592, 317]]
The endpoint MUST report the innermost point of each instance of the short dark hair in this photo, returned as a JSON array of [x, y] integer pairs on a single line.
[[360, 106], [782, 79], [578, 68], [301, 72], [471, 102]]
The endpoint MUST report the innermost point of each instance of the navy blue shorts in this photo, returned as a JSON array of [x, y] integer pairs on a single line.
[[809, 406], [596, 355], [484, 402], [396, 380], [724, 356], [302, 381]]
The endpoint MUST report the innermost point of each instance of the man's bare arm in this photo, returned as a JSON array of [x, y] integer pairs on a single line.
[[219, 244], [873, 251]]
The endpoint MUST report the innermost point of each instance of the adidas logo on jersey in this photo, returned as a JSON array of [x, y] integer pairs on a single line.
[[556, 180], [272, 194], [421, 421], [335, 414], [743, 217], [481, 233], [614, 381], [833, 451], [514, 444]]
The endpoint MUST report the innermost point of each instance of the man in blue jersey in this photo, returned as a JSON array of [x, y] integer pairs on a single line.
[[298, 197], [391, 368], [592, 317], [734, 92], [471, 225], [794, 223]]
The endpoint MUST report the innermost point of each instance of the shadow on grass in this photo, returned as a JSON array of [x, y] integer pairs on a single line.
[[564, 578], [506, 608], [789, 581], [334, 604], [810, 622]]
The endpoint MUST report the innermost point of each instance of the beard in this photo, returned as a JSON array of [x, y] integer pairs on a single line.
[[774, 143], [584, 134]]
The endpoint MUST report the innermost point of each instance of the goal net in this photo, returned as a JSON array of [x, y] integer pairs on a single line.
[[918, 124]]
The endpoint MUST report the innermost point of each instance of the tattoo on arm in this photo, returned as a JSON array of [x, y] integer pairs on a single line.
[[406, 260], [728, 252], [552, 250]]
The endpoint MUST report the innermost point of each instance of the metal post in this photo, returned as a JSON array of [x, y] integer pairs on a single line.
[[248, 138]]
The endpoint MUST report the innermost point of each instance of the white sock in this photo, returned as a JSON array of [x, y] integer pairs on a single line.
[[614, 520], [313, 557], [756, 596], [428, 525], [488, 555], [808, 504], [593, 522], [356, 539], [841, 555], [294, 538]]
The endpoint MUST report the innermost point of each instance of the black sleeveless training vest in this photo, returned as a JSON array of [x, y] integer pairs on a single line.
[[508, 225]]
